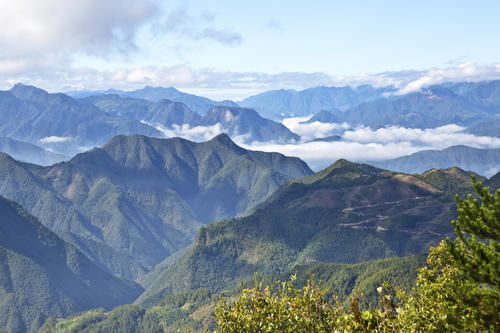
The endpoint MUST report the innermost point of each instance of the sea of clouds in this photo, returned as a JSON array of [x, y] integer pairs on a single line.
[[359, 143]]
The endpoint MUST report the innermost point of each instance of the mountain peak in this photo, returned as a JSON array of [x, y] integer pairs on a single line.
[[342, 168], [27, 92], [224, 139]]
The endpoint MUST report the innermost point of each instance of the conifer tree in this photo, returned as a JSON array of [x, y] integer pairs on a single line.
[[476, 250]]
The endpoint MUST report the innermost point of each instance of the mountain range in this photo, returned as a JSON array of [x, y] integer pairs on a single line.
[[347, 213], [483, 161], [242, 123], [136, 200], [42, 276], [155, 94], [279, 104], [29, 152], [163, 112], [32, 115], [432, 107], [188, 221]]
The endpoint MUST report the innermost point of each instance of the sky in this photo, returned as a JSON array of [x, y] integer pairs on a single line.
[[232, 49]]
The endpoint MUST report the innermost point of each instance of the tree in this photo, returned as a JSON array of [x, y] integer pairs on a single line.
[[278, 308], [442, 300], [476, 251], [458, 290]]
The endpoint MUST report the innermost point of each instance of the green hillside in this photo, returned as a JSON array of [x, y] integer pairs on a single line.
[[136, 200], [42, 276], [194, 309], [347, 213]]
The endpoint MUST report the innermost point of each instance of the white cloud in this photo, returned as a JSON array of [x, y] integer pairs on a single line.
[[217, 84], [435, 138], [40, 34], [197, 133], [55, 139], [313, 130], [464, 72], [200, 27], [359, 144], [321, 154]]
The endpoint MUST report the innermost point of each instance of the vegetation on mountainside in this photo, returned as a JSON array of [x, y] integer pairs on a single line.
[[320, 218], [445, 297], [136, 200], [194, 309], [458, 290], [42, 276]]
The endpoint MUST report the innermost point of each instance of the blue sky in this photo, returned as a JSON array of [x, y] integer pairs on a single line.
[[236, 48]]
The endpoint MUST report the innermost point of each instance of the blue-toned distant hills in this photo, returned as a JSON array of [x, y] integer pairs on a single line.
[[278, 104], [154, 94], [483, 161], [243, 123], [28, 152], [33, 115], [65, 125]]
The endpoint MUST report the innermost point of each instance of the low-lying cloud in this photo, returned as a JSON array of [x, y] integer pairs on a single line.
[[55, 139], [358, 144], [439, 137], [316, 129], [196, 133]]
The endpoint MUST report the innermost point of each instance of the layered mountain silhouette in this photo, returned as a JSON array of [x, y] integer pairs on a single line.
[[278, 104], [433, 107], [490, 127], [242, 123], [485, 94], [164, 112], [483, 161], [325, 117], [154, 94], [31, 114], [136, 200], [41, 275], [346, 213], [248, 124], [29, 152]]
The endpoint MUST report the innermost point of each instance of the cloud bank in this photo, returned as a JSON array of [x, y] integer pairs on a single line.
[[218, 84], [309, 131], [358, 144]]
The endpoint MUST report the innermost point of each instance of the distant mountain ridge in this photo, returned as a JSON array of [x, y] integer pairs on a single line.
[[243, 123], [33, 115], [42, 276], [482, 161], [433, 107], [164, 112], [278, 104], [248, 123], [154, 94], [29, 152], [136, 200]]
